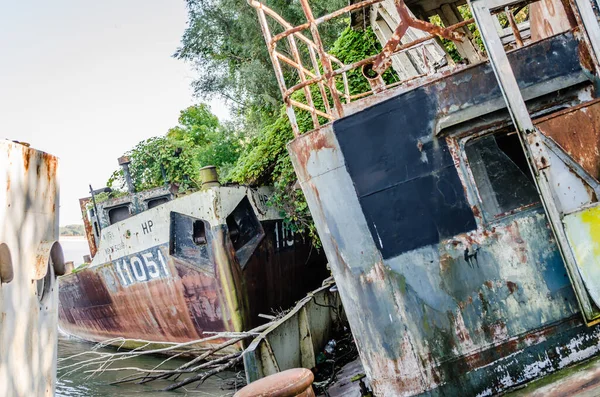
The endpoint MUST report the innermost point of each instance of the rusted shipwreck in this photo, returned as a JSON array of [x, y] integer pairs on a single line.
[[30, 260], [458, 206], [169, 267]]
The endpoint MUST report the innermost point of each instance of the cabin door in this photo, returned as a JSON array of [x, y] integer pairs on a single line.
[[567, 188]]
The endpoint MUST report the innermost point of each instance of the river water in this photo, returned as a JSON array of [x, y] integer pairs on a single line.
[[77, 384]]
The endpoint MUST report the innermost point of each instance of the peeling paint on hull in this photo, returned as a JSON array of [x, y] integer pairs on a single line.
[[443, 297], [157, 284]]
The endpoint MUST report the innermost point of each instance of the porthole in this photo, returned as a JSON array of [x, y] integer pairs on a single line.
[[55, 265], [45, 283], [6, 267]]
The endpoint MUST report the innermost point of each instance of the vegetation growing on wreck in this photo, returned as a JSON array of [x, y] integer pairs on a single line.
[[198, 140], [266, 160], [521, 14], [224, 41]]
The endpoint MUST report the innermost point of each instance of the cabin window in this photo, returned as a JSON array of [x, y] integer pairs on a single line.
[[199, 233], [189, 240], [6, 266], [243, 224], [118, 214], [501, 173], [156, 202], [245, 230]]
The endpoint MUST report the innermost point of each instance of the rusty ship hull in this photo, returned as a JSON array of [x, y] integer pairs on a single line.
[[458, 206], [155, 277]]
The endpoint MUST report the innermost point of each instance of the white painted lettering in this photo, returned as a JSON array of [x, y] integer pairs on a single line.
[[138, 268], [152, 267], [119, 267], [163, 263]]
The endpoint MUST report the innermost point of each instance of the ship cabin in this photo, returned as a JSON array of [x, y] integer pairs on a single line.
[[457, 201], [169, 266]]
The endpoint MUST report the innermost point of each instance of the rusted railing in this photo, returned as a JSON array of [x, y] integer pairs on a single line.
[[372, 67]]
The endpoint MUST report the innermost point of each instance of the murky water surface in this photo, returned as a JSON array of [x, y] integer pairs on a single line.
[[77, 384]]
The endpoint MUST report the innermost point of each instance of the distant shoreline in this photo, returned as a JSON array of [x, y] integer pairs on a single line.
[[77, 238]]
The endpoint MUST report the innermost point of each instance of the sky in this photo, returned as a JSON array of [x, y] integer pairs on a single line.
[[87, 80]]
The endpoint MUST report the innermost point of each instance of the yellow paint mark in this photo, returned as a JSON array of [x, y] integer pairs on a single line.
[[591, 217]]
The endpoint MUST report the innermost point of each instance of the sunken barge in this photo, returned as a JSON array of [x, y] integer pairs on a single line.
[[458, 206], [169, 267]]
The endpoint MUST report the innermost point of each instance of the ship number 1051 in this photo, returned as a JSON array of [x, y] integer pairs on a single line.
[[144, 266]]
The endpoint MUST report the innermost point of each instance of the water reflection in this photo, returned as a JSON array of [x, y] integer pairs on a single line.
[[76, 384]]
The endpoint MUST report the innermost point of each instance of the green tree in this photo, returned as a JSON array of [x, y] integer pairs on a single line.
[[198, 140], [211, 142], [224, 42], [195, 124], [149, 156], [265, 159]]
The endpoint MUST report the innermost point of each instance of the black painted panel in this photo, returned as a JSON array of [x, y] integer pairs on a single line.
[[405, 178], [418, 212], [392, 142]]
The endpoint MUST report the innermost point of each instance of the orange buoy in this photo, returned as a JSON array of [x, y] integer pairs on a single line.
[[296, 382]]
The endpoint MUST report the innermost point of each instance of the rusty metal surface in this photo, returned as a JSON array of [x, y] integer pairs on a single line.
[[49, 251], [29, 197], [300, 264], [290, 383], [96, 307], [383, 60], [549, 17], [440, 302], [473, 313], [582, 380], [577, 131], [295, 340], [151, 280], [314, 46], [535, 80], [460, 322], [84, 203]]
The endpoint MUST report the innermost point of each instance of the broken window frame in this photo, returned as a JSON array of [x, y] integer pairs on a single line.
[[151, 202], [182, 242], [472, 189], [245, 248], [118, 207]]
